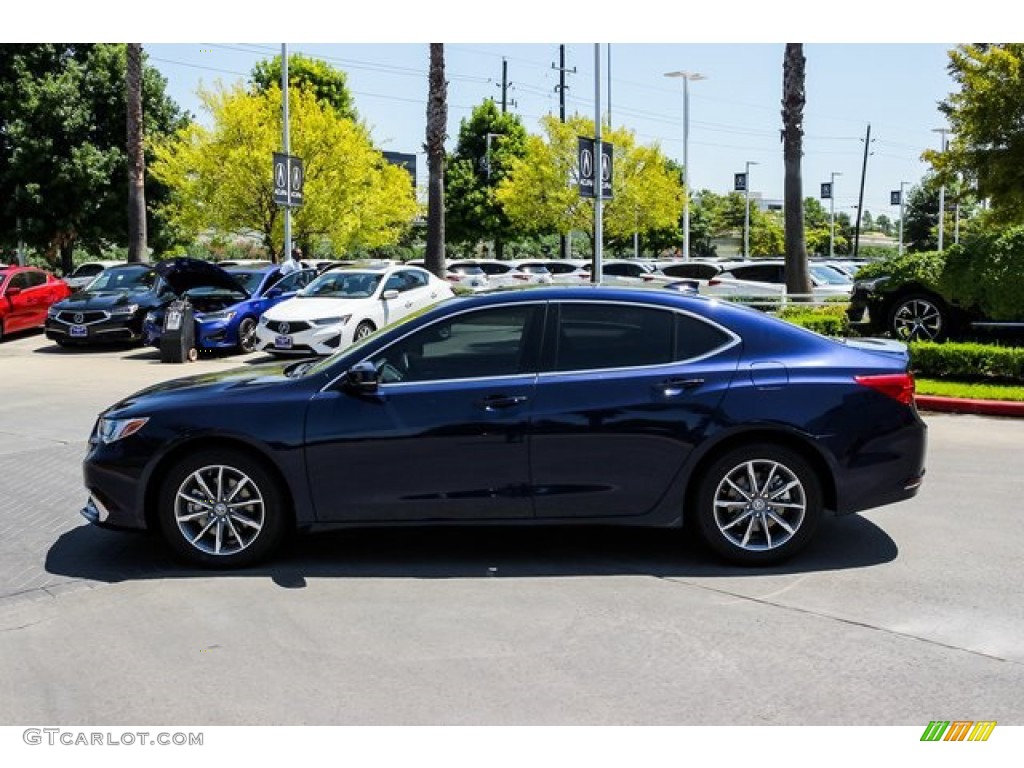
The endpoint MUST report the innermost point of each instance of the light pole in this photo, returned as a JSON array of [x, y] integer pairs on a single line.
[[832, 215], [686, 78], [746, 216], [942, 190]]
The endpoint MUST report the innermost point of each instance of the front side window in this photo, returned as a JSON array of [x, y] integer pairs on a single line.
[[480, 344]]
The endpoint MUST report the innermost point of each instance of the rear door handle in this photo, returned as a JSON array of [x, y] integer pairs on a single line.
[[676, 387], [498, 402]]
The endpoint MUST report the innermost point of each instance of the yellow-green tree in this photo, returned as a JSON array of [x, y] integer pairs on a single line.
[[539, 192], [221, 176]]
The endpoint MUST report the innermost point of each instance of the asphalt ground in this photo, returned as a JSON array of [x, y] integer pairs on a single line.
[[899, 616]]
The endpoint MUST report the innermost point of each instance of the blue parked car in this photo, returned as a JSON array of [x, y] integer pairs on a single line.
[[227, 302], [545, 406]]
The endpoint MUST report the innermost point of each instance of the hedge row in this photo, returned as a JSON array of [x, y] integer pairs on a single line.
[[967, 362]]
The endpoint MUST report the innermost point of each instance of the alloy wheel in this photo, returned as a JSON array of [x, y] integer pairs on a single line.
[[219, 510], [759, 505]]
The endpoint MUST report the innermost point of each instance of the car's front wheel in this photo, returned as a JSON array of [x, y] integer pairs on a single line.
[[758, 504], [919, 317], [247, 340], [363, 330], [220, 508]]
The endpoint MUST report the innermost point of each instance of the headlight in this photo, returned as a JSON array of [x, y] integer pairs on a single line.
[[222, 315], [52, 311], [341, 320], [263, 320], [127, 309], [112, 430]]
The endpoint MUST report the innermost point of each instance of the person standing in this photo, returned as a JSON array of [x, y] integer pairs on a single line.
[[292, 264]]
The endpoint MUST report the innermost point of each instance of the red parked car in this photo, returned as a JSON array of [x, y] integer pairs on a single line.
[[26, 293]]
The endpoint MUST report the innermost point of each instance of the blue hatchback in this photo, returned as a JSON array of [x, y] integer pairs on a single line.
[[546, 406], [228, 302]]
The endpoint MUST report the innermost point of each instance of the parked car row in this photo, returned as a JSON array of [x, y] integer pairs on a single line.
[[26, 294]]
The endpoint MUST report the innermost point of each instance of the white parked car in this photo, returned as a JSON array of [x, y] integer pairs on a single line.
[[344, 305], [767, 277], [503, 274], [86, 272], [463, 273]]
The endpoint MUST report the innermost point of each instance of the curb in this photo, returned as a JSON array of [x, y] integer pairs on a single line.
[[959, 405]]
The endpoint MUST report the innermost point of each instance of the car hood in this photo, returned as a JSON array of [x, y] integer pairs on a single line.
[[216, 384], [183, 274], [312, 307], [103, 299]]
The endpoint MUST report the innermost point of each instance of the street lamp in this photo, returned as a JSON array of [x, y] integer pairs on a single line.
[[902, 203], [746, 216], [832, 215], [942, 190], [686, 78]]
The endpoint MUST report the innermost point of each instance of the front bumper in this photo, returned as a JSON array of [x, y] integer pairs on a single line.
[[323, 340]]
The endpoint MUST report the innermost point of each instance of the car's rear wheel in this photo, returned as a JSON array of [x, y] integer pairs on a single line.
[[221, 509], [363, 330], [247, 340], [758, 504], [919, 317]]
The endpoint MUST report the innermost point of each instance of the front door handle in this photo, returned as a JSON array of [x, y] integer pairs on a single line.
[[676, 387], [498, 402]]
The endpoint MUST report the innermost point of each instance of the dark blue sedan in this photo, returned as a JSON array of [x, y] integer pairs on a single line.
[[613, 406], [228, 302]]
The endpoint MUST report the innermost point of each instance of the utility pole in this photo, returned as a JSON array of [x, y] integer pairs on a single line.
[[942, 190], [564, 249], [505, 86], [860, 200], [902, 208], [832, 215]]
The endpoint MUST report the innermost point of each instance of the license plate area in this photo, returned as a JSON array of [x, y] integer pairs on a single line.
[[78, 331], [283, 342]]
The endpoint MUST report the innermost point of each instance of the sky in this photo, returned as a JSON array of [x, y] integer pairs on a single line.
[[878, 63], [734, 114]]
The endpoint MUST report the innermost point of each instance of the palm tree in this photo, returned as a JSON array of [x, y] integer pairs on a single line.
[[437, 122], [137, 250], [793, 99]]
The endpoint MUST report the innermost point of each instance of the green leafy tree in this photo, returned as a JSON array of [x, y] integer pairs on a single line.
[[884, 224], [921, 217], [539, 193], [63, 158], [221, 175], [328, 84], [986, 117], [488, 140]]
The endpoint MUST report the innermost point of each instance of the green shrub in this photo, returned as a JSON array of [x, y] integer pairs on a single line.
[[924, 268], [829, 320], [987, 271], [967, 362]]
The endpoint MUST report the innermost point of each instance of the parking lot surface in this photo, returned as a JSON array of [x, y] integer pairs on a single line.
[[903, 615]]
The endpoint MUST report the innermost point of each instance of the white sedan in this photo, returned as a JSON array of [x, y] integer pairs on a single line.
[[345, 305]]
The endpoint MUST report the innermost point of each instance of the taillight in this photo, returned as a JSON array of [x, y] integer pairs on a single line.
[[712, 281], [898, 386]]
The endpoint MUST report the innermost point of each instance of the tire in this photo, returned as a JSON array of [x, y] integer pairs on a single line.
[[918, 317], [768, 525], [220, 508], [363, 330], [247, 341]]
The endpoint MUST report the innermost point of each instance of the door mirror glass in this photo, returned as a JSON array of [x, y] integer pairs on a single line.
[[389, 294]]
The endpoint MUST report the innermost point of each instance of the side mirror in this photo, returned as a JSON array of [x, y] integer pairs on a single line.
[[389, 294], [273, 293], [363, 378]]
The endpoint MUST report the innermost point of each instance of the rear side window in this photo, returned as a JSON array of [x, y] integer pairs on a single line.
[[594, 336], [600, 336]]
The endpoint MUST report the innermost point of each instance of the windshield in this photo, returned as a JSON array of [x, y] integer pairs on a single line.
[[829, 275], [138, 280], [343, 284], [250, 279]]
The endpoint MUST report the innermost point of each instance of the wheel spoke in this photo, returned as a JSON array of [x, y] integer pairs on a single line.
[[746, 515], [220, 533], [193, 500], [766, 529], [234, 491], [752, 479], [204, 530], [738, 490], [784, 489], [750, 530], [203, 486], [781, 523], [245, 521]]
